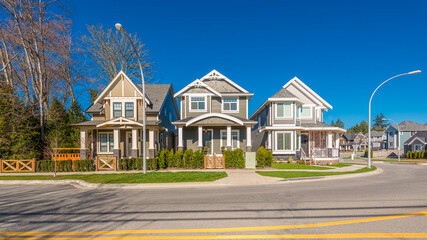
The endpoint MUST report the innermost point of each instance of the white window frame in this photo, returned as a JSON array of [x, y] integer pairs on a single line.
[[415, 146], [123, 100], [292, 142], [230, 111], [238, 138], [284, 117], [311, 112], [198, 110], [108, 142], [298, 109]]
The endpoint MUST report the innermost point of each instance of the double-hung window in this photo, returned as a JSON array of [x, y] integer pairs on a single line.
[[417, 147], [234, 139], [106, 142], [117, 109], [283, 141], [198, 103], [129, 110], [229, 104], [283, 110], [306, 112]]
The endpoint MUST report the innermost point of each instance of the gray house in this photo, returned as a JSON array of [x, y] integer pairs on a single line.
[[357, 140], [290, 123], [214, 114], [116, 120], [378, 139], [407, 129], [417, 142]]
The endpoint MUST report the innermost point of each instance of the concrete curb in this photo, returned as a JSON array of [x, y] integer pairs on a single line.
[[85, 185]]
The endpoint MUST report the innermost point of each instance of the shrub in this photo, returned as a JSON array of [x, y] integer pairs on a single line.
[[179, 159], [126, 164], [291, 160], [423, 154], [415, 155], [87, 165], [198, 159], [409, 154], [171, 159], [188, 157], [162, 158], [234, 159], [264, 157]]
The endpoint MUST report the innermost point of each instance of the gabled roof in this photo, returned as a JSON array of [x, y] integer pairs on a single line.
[[197, 83], [214, 74], [352, 136], [375, 133], [422, 136], [409, 126], [111, 84], [304, 88]]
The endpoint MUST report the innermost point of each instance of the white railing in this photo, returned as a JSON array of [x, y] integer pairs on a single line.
[[321, 152], [335, 152], [303, 156]]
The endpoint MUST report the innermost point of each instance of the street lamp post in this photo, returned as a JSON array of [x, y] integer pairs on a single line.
[[144, 155], [370, 100], [398, 135]]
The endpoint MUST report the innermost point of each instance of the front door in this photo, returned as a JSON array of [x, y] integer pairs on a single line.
[[304, 143], [207, 141], [128, 144]]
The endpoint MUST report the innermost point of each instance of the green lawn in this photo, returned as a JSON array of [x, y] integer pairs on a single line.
[[402, 160], [297, 166], [340, 165], [284, 174], [151, 177], [355, 157]]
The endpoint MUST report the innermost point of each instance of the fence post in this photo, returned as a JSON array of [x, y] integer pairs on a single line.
[[96, 163], [73, 166], [205, 161], [34, 164], [1, 165]]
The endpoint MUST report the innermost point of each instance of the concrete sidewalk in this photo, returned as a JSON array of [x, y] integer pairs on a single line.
[[236, 177]]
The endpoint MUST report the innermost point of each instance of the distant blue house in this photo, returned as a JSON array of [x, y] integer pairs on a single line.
[[407, 129]]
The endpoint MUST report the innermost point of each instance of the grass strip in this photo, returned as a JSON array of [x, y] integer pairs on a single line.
[[151, 177], [293, 174], [340, 165], [297, 166]]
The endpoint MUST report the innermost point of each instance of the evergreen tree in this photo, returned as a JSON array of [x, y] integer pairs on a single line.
[[380, 124], [363, 128], [75, 115], [339, 123], [93, 94]]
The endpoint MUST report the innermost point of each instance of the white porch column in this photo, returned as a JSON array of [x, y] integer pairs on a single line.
[[151, 139], [269, 142], [228, 136], [329, 141], [337, 140], [83, 138], [248, 139], [116, 148], [200, 138], [180, 137], [134, 139], [83, 144]]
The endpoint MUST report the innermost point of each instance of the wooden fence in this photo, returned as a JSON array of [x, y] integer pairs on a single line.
[[214, 161], [11, 166], [106, 163]]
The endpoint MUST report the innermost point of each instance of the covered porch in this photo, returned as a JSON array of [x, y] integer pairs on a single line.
[[119, 137], [214, 133], [321, 147]]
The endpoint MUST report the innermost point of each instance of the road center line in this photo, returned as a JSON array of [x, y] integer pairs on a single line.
[[296, 236], [207, 230]]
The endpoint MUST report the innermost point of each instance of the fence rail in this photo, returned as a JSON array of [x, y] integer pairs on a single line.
[[18, 165], [214, 161], [106, 163], [66, 156]]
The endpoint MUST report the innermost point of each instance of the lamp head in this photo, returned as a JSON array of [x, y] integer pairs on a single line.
[[414, 72], [120, 28]]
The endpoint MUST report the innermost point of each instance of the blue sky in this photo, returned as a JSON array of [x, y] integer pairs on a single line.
[[341, 49]]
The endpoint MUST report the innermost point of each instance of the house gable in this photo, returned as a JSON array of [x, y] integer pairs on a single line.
[[221, 83], [121, 86], [306, 94]]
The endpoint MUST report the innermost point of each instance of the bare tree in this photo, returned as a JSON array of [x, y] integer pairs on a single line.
[[41, 41], [111, 52]]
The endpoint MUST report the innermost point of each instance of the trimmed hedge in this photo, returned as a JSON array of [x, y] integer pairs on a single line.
[[417, 154], [65, 166], [125, 164], [234, 159], [264, 157]]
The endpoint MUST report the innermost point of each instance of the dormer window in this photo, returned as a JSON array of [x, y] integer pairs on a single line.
[[230, 105], [117, 109], [198, 103]]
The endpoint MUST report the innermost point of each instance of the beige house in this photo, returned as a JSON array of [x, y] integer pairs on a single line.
[[115, 127], [290, 123], [214, 114]]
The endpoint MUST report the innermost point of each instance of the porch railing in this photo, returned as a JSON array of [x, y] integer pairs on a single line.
[[320, 152]]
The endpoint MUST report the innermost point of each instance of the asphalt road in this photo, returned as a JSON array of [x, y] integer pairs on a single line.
[[372, 202]]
